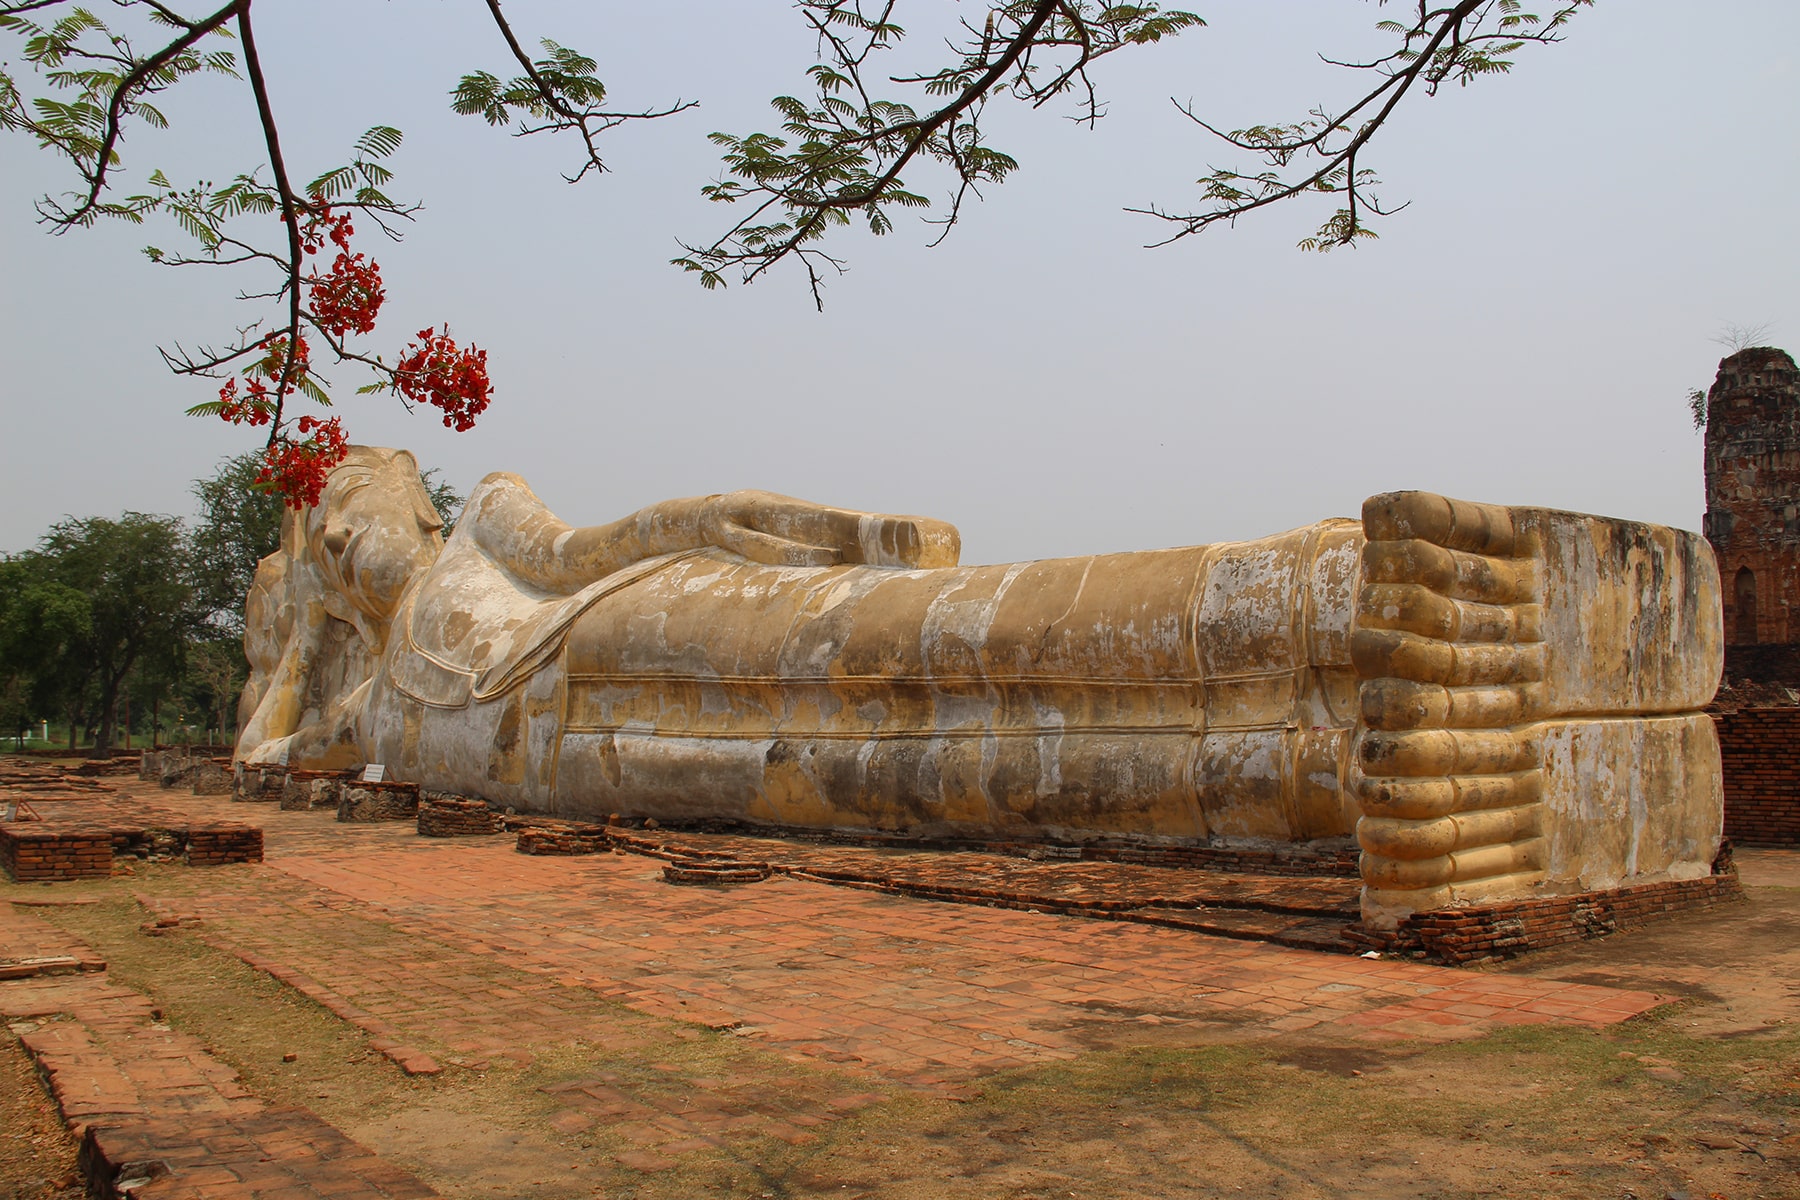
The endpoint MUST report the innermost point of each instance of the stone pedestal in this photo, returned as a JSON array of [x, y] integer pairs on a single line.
[[212, 777], [359, 801], [304, 790]]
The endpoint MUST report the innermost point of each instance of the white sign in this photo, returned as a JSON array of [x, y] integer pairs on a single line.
[[282, 757], [373, 772]]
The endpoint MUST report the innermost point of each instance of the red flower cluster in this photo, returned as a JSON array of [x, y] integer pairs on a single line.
[[255, 407], [271, 363], [346, 298], [436, 372], [296, 471], [320, 220]]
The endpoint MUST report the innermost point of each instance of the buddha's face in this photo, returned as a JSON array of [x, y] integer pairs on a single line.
[[373, 528]]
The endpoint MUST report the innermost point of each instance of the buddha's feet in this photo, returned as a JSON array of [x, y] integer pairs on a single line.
[[1449, 646], [1532, 686]]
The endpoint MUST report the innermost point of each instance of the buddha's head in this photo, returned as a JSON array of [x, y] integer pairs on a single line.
[[373, 528]]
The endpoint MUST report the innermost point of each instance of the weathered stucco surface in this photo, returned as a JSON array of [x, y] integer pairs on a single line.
[[1494, 701]]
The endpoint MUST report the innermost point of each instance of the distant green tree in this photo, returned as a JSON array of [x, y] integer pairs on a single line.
[[133, 573], [236, 527], [216, 670], [42, 622]]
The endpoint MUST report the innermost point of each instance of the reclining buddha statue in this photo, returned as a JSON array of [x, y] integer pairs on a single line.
[[1494, 701]]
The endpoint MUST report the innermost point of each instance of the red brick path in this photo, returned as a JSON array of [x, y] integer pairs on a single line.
[[449, 952], [151, 1103], [912, 992]]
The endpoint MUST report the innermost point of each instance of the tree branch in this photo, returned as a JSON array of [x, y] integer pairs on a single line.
[[118, 106], [290, 215]]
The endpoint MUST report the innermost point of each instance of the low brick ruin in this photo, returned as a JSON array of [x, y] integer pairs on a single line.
[[442, 815], [302, 791], [563, 839], [1761, 752], [82, 827], [42, 853]]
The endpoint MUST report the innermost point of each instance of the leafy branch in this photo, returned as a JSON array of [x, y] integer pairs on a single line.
[[1457, 43], [556, 94], [111, 81], [842, 153]]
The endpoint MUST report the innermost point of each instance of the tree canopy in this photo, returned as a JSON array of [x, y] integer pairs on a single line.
[[846, 147], [96, 600]]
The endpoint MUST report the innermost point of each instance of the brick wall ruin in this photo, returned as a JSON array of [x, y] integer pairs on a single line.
[[1760, 749], [1753, 508]]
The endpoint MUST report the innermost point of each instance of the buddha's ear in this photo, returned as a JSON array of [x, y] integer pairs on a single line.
[[426, 512], [423, 509]]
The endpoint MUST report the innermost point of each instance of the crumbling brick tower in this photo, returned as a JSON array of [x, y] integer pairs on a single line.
[[1753, 511]]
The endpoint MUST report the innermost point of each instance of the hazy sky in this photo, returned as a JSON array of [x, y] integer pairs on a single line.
[[1524, 333]]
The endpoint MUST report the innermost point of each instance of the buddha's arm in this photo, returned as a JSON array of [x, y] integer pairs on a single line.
[[514, 527], [283, 700]]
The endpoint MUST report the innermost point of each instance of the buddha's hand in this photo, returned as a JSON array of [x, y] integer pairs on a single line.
[[782, 531]]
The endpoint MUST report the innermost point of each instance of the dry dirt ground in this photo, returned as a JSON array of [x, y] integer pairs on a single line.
[[1700, 1098]]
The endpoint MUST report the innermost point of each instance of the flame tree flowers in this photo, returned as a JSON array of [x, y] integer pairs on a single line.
[[341, 300], [327, 293]]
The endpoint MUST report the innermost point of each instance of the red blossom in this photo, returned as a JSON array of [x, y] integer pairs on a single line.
[[296, 470], [255, 407], [270, 365], [347, 298], [252, 409], [437, 372]]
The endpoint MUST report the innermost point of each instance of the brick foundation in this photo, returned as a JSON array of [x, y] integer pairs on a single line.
[[443, 815], [1336, 858], [259, 783], [40, 855], [47, 852], [224, 844], [1761, 752], [304, 790], [575, 839], [1482, 933], [114, 765]]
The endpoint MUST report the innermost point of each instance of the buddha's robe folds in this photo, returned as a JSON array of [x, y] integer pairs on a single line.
[[1171, 694]]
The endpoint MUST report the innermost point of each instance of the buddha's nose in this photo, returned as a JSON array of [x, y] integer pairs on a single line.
[[337, 540]]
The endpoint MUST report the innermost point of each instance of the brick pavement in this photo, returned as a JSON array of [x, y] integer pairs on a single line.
[[158, 1114], [457, 952], [917, 994]]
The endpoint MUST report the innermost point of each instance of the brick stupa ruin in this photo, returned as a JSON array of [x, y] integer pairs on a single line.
[[1753, 511]]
